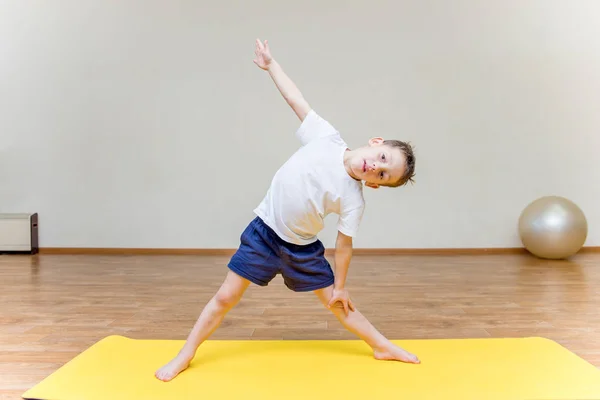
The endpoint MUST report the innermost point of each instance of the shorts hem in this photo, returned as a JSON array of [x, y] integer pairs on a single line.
[[314, 287], [245, 275]]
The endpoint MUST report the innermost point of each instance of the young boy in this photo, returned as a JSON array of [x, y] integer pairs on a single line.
[[322, 177]]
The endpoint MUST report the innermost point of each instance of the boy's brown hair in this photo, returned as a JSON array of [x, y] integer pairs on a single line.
[[408, 152]]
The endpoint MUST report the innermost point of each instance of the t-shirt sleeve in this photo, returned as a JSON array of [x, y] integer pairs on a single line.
[[314, 126], [350, 218]]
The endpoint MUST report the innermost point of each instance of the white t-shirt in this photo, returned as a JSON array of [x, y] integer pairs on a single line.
[[312, 184]]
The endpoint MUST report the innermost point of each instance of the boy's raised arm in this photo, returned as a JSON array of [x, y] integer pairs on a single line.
[[286, 86]]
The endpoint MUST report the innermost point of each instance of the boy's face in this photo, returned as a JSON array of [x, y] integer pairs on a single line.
[[377, 164]]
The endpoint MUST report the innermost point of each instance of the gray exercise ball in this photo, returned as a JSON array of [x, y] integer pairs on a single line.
[[553, 227]]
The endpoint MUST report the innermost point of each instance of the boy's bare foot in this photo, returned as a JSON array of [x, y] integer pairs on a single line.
[[173, 368], [392, 352]]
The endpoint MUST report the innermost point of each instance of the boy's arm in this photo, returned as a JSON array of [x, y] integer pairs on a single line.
[[343, 254], [285, 85]]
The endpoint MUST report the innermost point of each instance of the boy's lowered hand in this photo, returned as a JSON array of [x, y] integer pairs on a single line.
[[341, 296]]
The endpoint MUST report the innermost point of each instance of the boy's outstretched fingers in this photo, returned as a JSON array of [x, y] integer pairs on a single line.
[[263, 57], [345, 305], [348, 306]]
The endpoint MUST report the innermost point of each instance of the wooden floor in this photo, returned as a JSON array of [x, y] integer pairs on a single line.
[[55, 306]]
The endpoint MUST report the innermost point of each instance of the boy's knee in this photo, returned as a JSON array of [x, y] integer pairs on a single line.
[[226, 299]]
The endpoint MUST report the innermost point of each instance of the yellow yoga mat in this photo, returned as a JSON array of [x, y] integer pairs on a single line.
[[529, 368]]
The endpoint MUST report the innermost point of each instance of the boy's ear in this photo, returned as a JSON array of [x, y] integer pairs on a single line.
[[375, 141], [372, 185]]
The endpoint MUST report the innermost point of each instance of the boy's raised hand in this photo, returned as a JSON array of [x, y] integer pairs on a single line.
[[286, 86], [263, 54]]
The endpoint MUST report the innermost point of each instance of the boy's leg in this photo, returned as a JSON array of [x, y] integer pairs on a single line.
[[356, 323], [228, 295]]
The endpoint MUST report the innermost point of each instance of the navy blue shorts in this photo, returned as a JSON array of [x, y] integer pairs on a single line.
[[262, 255]]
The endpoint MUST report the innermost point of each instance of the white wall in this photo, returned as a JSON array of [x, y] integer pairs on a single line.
[[146, 124]]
